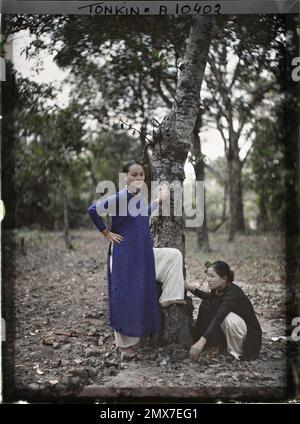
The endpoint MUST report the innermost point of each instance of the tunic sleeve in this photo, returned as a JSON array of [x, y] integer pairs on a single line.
[[202, 294], [98, 221], [101, 206], [228, 304]]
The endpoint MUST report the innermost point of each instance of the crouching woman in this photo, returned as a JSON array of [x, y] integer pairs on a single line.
[[226, 316]]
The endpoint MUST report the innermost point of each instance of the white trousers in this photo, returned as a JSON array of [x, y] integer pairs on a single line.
[[168, 269], [235, 330]]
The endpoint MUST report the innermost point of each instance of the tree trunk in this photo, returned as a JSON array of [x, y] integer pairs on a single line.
[[9, 105], [236, 208], [145, 160], [223, 182], [262, 218], [66, 220], [171, 144], [172, 140], [202, 231], [55, 225], [224, 217], [9, 96]]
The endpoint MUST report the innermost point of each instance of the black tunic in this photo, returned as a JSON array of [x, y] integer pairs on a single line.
[[214, 309]]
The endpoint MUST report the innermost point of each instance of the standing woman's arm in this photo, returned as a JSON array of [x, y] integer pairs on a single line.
[[97, 219], [163, 194], [152, 207], [201, 294], [94, 211]]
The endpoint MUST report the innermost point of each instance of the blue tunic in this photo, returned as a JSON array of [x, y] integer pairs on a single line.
[[133, 300]]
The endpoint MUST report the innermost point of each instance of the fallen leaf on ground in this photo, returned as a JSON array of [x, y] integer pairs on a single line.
[[111, 363], [63, 333], [48, 340]]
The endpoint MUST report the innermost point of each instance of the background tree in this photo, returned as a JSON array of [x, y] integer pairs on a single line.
[[50, 140], [217, 193], [267, 174], [197, 160], [234, 92]]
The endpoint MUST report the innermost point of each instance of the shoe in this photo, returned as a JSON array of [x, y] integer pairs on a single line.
[[129, 353], [126, 356]]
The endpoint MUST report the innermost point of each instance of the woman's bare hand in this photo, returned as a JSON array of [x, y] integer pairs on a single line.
[[113, 237], [189, 287], [163, 194], [197, 348]]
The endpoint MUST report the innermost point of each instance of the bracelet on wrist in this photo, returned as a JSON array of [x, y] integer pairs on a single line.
[[105, 232]]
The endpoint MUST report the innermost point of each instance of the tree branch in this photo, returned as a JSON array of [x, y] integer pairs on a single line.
[[216, 173], [165, 98], [220, 128], [237, 68], [169, 88], [246, 156], [215, 229], [130, 127]]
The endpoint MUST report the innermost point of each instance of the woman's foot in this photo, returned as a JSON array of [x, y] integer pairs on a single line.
[[129, 352], [125, 355], [173, 302]]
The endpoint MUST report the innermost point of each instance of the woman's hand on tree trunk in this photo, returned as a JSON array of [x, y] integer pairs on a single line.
[[163, 194], [113, 237]]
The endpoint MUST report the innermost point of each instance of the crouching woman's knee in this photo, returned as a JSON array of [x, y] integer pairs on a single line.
[[234, 324], [176, 255]]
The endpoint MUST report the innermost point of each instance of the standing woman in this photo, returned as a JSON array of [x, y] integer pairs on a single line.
[[226, 316], [133, 265]]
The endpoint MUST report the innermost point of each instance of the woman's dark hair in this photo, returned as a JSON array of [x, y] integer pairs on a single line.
[[127, 165], [223, 270]]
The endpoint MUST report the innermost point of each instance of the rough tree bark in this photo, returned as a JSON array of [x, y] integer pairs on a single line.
[[171, 144]]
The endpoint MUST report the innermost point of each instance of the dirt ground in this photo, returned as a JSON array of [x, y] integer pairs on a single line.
[[63, 342]]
